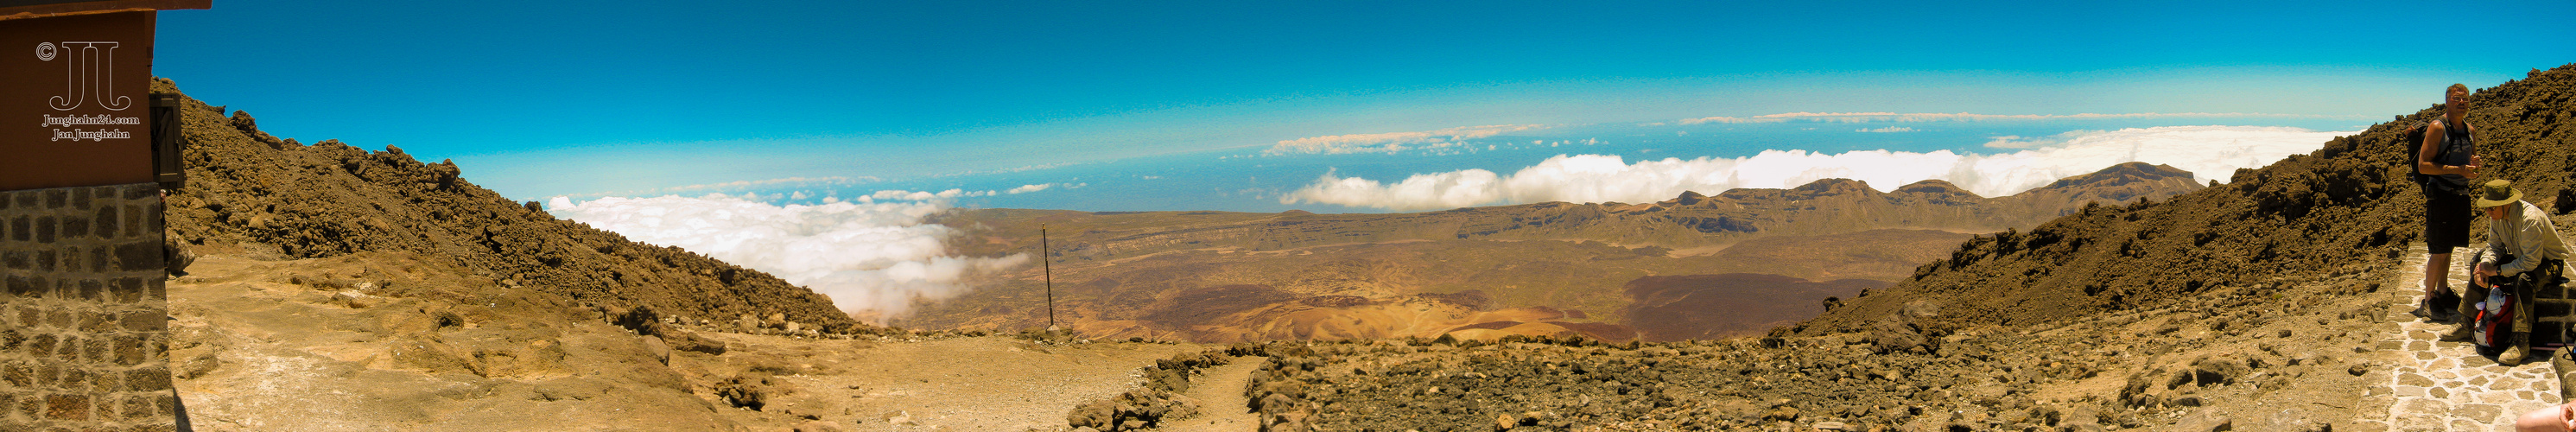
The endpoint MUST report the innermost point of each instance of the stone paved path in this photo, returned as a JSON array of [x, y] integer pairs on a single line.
[[2437, 386]]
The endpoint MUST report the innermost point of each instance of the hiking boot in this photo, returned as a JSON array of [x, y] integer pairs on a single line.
[[2458, 334], [2515, 351], [2432, 314]]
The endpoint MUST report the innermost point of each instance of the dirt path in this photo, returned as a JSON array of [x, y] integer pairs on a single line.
[[1221, 402], [2433, 385], [992, 383]]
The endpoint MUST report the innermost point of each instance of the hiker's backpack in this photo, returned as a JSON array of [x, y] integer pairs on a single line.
[[2415, 151], [2452, 153], [2494, 320]]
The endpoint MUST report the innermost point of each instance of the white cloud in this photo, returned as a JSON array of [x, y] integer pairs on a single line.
[[1391, 142], [891, 195], [1888, 129], [905, 195], [2209, 152], [1030, 188], [743, 184], [2023, 142], [1865, 117], [873, 259], [1725, 119]]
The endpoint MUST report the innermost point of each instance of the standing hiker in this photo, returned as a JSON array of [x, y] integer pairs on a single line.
[[2523, 253], [2444, 163]]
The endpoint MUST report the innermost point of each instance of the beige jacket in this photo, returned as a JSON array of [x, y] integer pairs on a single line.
[[2525, 233]]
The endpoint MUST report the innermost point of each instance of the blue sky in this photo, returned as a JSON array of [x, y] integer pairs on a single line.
[[572, 98]]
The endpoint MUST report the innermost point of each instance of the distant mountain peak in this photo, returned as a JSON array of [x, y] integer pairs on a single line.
[[1689, 198], [1936, 187], [2122, 174], [1836, 186]]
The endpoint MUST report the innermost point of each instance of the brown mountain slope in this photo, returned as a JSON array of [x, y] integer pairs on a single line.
[[2324, 213], [1538, 269], [249, 190]]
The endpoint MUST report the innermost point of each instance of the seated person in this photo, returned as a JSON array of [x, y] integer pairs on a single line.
[[2523, 251]]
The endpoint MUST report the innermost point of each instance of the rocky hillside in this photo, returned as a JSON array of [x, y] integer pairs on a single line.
[[343, 289], [2332, 210], [250, 190]]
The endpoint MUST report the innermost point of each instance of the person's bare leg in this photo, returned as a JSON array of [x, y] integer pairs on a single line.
[[2437, 273], [2469, 297]]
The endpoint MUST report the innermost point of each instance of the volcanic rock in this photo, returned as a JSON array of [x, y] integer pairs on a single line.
[[249, 189]]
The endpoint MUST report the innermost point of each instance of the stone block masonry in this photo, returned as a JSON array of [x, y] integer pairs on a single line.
[[84, 316]]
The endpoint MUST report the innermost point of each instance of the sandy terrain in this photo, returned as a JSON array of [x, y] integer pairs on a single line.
[[383, 342]]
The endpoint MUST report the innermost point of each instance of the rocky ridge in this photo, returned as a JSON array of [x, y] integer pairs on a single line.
[[2347, 202], [281, 198]]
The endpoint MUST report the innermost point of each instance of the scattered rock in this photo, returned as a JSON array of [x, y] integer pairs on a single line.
[[1782, 414], [2203, 421], [820, 426], [2219, 370]]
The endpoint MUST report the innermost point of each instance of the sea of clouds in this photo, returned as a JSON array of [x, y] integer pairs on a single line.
[[2209, 152], [873, 255]]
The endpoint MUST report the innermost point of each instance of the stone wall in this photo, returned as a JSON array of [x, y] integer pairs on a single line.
[[84, 318]]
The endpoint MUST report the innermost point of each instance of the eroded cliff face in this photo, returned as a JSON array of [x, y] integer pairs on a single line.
[[1541, 269]]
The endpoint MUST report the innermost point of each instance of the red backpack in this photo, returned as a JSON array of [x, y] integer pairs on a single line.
[[2492, 327]]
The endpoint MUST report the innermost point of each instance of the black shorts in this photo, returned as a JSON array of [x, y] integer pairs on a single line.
[[2446, 222]]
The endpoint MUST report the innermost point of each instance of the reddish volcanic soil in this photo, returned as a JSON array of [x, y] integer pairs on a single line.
[[1675, 308]]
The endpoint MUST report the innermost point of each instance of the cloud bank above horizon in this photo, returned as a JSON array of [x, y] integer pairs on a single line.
[[2209, 152], [1393, 141], [873, 256], [1448, 141]]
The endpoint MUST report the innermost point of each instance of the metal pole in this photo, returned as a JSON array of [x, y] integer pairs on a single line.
[[1046, 259]]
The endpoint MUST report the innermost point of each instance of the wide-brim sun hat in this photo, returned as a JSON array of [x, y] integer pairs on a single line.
[[2497, 192]]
